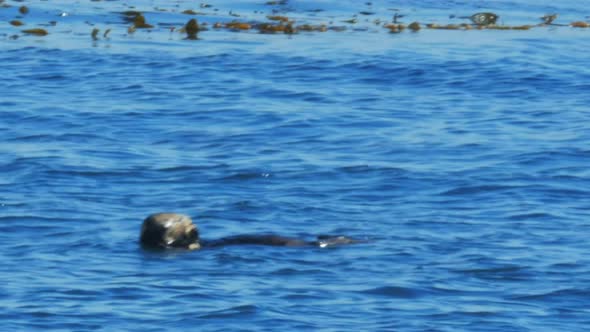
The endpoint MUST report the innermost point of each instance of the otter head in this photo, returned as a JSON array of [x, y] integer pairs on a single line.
[[169, 230]]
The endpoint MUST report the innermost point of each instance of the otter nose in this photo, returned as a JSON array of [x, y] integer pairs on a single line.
[[192, 232]]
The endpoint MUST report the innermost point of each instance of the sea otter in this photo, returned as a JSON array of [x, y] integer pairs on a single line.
[[482, 19], [173, 230]]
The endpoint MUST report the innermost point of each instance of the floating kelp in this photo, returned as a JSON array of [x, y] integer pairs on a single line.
[[130, 15], [521, 27], [36, 32], [270, 28], [191, 12], [395, 28], [140, 23], [276, 28], [443, 27], [236, 26], [580, 24], [310, 28], [94, 33], [289, 29], [192, 29], [465, 26], [414, 26], [508, 27], [337, 28], [275, 23], [548, 19], [397, 16], [278, 18], [498, 27], [274, 3]]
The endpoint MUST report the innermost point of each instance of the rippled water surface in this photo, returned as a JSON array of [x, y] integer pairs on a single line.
[[461, 156]]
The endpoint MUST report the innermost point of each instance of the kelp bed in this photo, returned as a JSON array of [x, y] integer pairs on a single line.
[[275, 17]]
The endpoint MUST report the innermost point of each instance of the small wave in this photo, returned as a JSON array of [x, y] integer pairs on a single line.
[[32, 220], [566, 293], [504, 273], [126, 293], [182, 168], [32, 138], [126, 88], [42, 314], [393, 291], [190, 296], [81, 293], [568, 192], [294, 272], [300, 297], [470, 190], [87, 173], [50, 77], [531, 216], [232, 312], [245, 176], [359, 169]]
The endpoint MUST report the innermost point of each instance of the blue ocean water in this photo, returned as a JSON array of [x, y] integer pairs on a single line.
[[460, 156]]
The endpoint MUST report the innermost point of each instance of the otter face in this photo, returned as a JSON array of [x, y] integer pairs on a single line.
[[484, 18], [169, 230]]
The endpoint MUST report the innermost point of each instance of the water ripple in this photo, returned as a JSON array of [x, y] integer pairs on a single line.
[[461, 157]]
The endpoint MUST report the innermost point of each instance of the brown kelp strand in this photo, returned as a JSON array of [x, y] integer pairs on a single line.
[[235, 26], [395, 28], [275, 3], [191, 12], [278, 18], [312, 28], [130, 15], [140, 23], [414, 26], [508, 27], [94, 33], [277, 22], [192, 29], [36, 32], [580, 24], [548, 19], [270, 28]]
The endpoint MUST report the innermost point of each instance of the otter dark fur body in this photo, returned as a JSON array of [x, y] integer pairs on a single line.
[[172, 230]]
